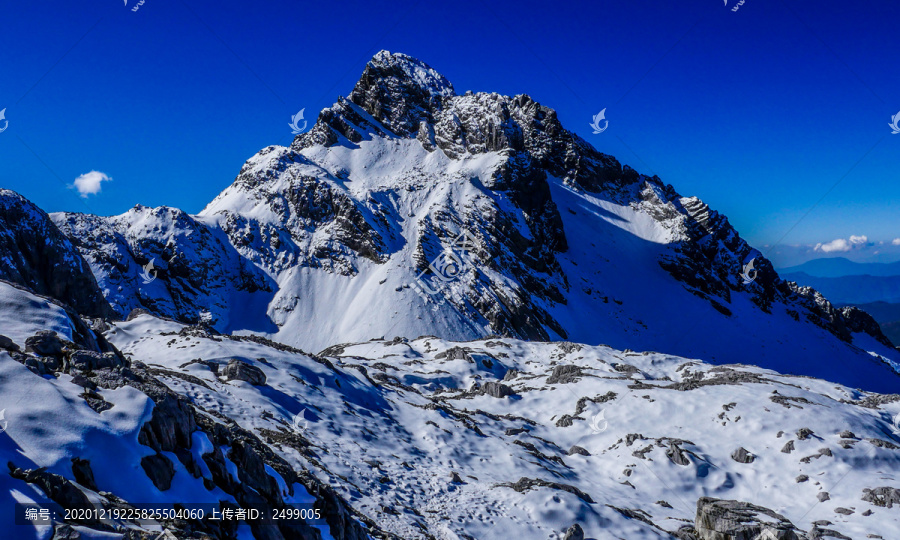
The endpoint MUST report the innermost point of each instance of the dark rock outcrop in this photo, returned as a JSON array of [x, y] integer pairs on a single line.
[[45, 343], [59, 489], [8, 344], [575, 532], [497, 390], [84, 475], [38, 256], [564, 374], [159, 469], [885, 497], [719, 519]]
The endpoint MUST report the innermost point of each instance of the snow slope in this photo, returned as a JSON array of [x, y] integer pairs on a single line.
[[396, 419]]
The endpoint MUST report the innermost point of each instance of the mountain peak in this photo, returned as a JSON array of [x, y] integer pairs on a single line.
[[401, 92], [407, 69]]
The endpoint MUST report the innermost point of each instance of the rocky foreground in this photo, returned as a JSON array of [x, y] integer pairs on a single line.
[[423, 438]]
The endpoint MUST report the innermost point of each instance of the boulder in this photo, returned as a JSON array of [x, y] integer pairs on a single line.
[[455, 353], [676, 455], [574, 533], [741, 455], [497, 390], [238, 370], [45, 343], [90, 360]]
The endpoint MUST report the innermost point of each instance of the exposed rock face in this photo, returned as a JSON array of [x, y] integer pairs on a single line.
[[858, 320], [38, 256], [159, 469], [885, 497], [238, 370], [57, 488], [84, 475], [564, 374], [719, 519], [401, 92]]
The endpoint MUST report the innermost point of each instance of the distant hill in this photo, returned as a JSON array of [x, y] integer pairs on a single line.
[[839, 267]]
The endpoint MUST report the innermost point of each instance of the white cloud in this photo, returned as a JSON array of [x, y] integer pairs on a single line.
[[89, 183], [896, 241], [844, 244], [835, 245]]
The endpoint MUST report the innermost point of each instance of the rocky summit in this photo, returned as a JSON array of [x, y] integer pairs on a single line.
[[436, 315]]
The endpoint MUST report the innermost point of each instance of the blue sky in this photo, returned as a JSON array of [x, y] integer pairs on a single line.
[[759, 112]]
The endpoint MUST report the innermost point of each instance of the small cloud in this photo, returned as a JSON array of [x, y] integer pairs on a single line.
[[896, 241], [841, 244], [89, 183], [835, 245]]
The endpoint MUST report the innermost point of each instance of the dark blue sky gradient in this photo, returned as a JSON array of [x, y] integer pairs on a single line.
[[758, 112]]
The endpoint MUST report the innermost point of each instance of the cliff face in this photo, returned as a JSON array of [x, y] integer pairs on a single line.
[[35, 254]]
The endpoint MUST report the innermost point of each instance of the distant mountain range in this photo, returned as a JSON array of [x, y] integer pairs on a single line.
[[833, 267]]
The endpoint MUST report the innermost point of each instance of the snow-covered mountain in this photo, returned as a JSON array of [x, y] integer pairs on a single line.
[[518, 337], [322, 242]]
